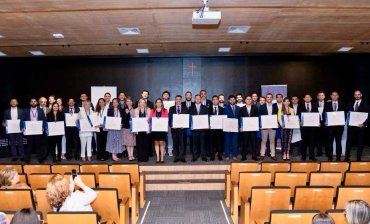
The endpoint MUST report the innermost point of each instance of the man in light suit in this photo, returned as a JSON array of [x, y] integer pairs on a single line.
[[15, 140], [231, 138]]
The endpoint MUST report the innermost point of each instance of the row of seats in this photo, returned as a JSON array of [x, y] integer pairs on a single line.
[[303, 216]]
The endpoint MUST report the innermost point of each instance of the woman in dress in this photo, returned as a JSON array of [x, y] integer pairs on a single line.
[[286, 134], [101, 136], [142, 138], [129, 139], [55, 141], [114, 140], [159, 138]]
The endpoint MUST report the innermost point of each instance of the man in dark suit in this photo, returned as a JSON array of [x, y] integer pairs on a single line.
[[321, 136], [255, 100], [121, 100], [84, 98], [72, 137], [231, 138], [178, 133], [16, 139], [216, 135], [249, 137], [34, 113], [203, 98], [198, 135], [334, 132], [357, 133], [145, 96], [221, 100], [308, 133], [187, 104]]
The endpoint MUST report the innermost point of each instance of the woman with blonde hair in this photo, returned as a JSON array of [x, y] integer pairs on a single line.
[[62, 197], [142, 138], [9, 179], [357, 212]]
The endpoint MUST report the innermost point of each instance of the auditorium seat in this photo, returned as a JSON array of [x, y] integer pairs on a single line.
[[42, 204], [273, 167], [39, 180], [334, 167], [357, 178], [117, 211], [72, 217], [36, 168], [306, 167], [263, 201], [17, 167], [23, 178], [122, 182], [247, 180], [333, 179], [232, 176], [313, 197], [337, 215], [292, 217], [16, 199], [290, 179], [64, 168], [347, 193], [87, 178], [136, 177], [95, 168], [359, 166]]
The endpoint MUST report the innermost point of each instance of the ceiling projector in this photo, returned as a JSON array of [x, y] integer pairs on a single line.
[[204, 16]]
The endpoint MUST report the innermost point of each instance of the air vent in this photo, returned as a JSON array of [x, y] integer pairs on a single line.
[[129, 30]]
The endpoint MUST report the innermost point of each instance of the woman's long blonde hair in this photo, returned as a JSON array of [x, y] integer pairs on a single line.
[[7, 175], [57, 190]]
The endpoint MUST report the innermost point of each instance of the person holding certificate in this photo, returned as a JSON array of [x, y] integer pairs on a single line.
[[188, 135], [268, 109], [86, 136], [72, 138], [159, 137], [178, 134], [129, 138], [101, 136], [231, 138], [114, 139], [286, 134], [142, 138], [321, 136], [216, 135], [199, 148], [34, 113], [357, 132], [169, 143], [308, 133], [55, 141], [334, 132], [15, 140]]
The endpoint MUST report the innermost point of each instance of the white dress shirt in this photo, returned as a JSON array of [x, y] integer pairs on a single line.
[[13, 113]]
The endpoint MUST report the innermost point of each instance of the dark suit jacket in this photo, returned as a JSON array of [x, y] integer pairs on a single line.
[[27, 117], [229, 112], [208, 103], [302, 108], [328, 107], [173, 111], [7, 114], [263, 109], [202, 111], [50, 117], [66, 109], [110, 113], [183, 104], [253, 111], [220, 110], [363, 107]]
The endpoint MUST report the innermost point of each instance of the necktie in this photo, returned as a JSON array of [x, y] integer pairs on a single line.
[[335, 106], [178, 109], [198, 108], [233, 108], [356, 107], [215, 111], [308, 107]]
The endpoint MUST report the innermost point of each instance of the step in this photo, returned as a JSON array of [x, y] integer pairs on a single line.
[[187, 185], [187, 167], [185, 175]]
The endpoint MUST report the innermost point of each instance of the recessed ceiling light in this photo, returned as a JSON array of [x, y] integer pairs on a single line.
[[37, 53], [2, 54], [238, 29], [345, 49], [129, 30], [1, 36], [58, 35], [224, 49], [143, 51]]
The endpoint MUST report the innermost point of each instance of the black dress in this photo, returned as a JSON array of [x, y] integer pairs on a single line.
[[142, 144], [159, 136]]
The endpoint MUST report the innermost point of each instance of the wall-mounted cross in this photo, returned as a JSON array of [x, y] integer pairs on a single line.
[[192, 66]]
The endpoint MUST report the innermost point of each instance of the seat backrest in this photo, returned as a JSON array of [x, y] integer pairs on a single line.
[[266, 199], [16, 199], [72, 217], [64, 168], [292, 217], [132, 169], [357, 178], [120, 181], [95, 168], [39, 180], [237, 167], [87, 178], [109, 212], [317, 197], [247, 180], [42, 204], [334, 167], [291, 179], [326, 179], [273, 167], [338, 216], [347, 193], [23, 178], [17, 167], [306, 167], [36, 168], [359, 166]]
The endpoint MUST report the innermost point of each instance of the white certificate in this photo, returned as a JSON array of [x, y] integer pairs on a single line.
[[335, 118], [85, 126], [215, 121], [199, 122], [357, 118], [71, 119], [230, 125], [13, 126], [140, 124], [296, 137], [269, 121], [250, 124], [168, 104], [33, 128], [159, 124], [290, 121], [96, 120], [310, 119], [56, 128], [180, 120], [112, 123]]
